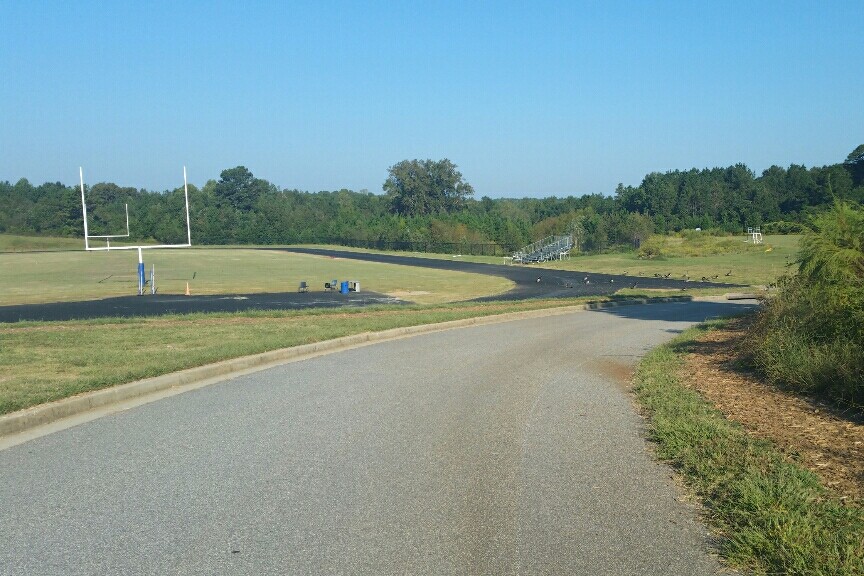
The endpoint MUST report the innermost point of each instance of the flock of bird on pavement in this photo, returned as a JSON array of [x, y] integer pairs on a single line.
[[686, 278]]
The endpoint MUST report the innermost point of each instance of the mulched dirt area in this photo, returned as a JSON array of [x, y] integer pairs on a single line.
[[828, 442]]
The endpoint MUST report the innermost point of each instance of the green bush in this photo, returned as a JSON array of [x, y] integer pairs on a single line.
[[782, 227], [810, 337], [691, 233], [690, 243], [653, 248]]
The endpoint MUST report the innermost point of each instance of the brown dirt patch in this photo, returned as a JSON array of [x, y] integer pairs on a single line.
[[810, 432], [407, 293], [618, 372]]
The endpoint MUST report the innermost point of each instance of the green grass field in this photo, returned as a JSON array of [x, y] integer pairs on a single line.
[[694, 257], [15, 243], [30, 275], [751, 265]]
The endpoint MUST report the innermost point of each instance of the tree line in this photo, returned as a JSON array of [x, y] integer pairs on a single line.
[[428, 202]]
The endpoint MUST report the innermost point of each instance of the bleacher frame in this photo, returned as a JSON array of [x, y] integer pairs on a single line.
[[549, 248]]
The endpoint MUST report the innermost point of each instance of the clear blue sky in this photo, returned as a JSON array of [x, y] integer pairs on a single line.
[[528, 99]]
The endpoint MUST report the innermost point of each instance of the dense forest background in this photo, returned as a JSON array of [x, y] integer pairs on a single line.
[[428, 206]]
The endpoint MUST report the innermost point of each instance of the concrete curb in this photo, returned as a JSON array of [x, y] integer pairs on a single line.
[[741, 296], [23, 420]]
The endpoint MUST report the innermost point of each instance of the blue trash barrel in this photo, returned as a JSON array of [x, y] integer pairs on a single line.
[[343, 287]]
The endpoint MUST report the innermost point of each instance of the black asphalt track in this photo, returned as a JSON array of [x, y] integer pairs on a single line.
[[530, 283], [161, 304]]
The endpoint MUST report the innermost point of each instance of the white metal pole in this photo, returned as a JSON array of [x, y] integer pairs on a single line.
[[140, 272], [84, 208], [186, 193]]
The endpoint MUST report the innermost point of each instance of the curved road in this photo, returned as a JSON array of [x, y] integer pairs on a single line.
[[500, 449]]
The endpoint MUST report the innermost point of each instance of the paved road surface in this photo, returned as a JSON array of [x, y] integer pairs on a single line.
[[500, 449]]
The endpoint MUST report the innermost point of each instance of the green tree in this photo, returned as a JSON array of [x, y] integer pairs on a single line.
[[637, 227], [854, 163], [239, 188], [106, 213], [631, 199], [833, 251], [422, 187], [799, 187], [57, 211], [660, 192]]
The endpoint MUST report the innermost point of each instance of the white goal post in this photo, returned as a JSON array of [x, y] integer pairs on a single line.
[[140, 248], [755, 235]]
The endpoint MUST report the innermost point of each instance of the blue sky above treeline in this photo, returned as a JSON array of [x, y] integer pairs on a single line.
[[528, 99]]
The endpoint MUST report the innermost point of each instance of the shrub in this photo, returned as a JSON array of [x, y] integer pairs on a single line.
[[781, 227], [811, 337], [652, 248]]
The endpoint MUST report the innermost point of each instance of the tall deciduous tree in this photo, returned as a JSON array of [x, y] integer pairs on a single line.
[[239, 188], [855, 164], [421, 187]]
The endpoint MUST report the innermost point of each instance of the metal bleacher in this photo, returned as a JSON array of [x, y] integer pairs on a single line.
[[550, 248]]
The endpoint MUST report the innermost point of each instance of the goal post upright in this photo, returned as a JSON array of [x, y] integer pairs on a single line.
[[186, 195], [87, 235], [84, 209], [141, 279]]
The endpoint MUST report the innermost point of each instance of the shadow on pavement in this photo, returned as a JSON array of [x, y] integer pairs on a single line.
[[683, 311]]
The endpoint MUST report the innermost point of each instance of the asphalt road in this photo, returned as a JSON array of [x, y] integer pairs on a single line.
[[500, 449]]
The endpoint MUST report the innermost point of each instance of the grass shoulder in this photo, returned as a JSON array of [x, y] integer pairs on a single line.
[[723, 260], [67, 358], [776, 516]]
